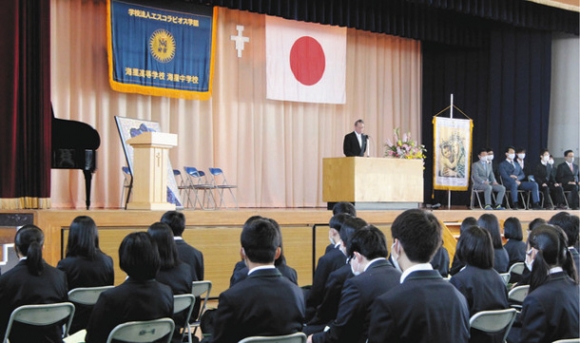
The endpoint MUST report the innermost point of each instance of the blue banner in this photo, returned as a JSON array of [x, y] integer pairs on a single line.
[[160, 51]]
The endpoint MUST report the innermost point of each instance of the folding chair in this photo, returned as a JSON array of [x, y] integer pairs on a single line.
[[505, 277], [127, 185], [517, 268], [297, 337], [522, 195], [143, 331], [475, 194], [181, 184], [199, 289], [494, 321], [517, 295], [184, 302], [41, 315], [87, 295], [196, 182], [568, 340], [221, 183]]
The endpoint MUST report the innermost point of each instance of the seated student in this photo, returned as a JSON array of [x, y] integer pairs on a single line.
[[567, 175], [374, 275], [456, 265], [481, 285], [327, 310], [425, 307], [440, 261], [570, 224], [187, 253], [501, 258], [345, 209], [516, 249], [85, 265], [483, 178], [31, 282], [525, 277], [550, 310], [513, 178], [265, 303], [139, 298], [545, 177], [241, 270]]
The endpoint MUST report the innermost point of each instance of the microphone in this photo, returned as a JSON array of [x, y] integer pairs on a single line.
[[367, 137]]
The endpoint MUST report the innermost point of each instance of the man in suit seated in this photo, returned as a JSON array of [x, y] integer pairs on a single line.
[[265, 303], [483, 179], [374, 275], [567, 175], [513, 177], [545, 176], [355, 143], [425, 307]]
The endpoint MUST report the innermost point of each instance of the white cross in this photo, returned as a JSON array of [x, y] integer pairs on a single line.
[[240, 40]]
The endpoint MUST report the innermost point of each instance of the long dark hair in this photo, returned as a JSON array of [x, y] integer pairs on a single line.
[[474, 247], [552, 245], [162, 235], [83, 238], [28, 241]]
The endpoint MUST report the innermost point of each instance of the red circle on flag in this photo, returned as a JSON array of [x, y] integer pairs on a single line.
[[307, 60]]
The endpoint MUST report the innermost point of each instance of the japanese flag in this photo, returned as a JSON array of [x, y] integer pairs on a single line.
[[305, 62]]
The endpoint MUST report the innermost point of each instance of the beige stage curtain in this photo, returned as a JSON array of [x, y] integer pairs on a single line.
[[272, 150]]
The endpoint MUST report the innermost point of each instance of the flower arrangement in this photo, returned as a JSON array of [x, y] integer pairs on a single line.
[[404, 147]]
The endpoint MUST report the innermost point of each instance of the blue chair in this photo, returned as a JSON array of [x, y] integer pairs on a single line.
[[196, 182], [221, 184]]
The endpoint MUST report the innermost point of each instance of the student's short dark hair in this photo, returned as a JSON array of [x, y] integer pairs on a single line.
[[520, 149], [567, 222], [349, 227], [83, 238], [175, 220], [467, 222], [480, 150], [138, 256], [344, 207], [535, 223], [337, 220], [543, 151], [567, 152], [490, 223], [420, 234], [512, 229], [475, 249], [488, 149], [507, 149], [163, 237], [368, 241], [260, 239]]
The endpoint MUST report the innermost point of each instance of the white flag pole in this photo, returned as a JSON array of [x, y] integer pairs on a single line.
[[449, 190]]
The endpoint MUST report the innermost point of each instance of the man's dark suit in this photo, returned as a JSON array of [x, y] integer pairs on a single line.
[[191, 256], [351, 147], [264, 304], [507, 168], [241, 273], [550, 312], [82, 272], [484, 290], [424, 309], [327, 263], [130, 301], [546, 174], [352, 320], [18, 287], [564, 175]]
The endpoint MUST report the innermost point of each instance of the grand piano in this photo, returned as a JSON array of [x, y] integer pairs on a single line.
[[74, 146]]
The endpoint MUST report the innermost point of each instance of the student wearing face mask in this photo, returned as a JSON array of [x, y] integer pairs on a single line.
[[545, 176], [513, 176], [550, 310], [483, 179], [520, 156], [567, 175]]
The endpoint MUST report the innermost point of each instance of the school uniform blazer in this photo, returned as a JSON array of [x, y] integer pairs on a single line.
[[550, 312], [179, 279], [440, 261], [264, 304], [352, 320], [82, 272], [424, 309], [501, 260], [350, 146], [191, 256], [545, 174], [132, 300], [516, 251], [327, 310], [565, 175], [18, 287], [484, 290], [327, 263], [241, 273]]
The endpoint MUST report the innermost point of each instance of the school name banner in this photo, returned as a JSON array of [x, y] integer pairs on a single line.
[[451, 154], [157, 50]]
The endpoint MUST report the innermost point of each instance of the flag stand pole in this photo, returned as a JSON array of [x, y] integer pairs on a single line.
[[449, 190]]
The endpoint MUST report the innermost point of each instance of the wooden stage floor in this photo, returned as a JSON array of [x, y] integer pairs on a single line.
[[217, 233]]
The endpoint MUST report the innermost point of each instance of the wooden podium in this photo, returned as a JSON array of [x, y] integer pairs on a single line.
[[373, 183], [150, 157]]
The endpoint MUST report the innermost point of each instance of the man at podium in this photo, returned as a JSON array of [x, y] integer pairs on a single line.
[[355, 143]]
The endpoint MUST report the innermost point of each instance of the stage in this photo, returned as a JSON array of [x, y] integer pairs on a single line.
[[217, 233]]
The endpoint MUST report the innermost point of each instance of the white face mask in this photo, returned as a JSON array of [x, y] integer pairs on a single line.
[[330, 239], [354, 272], [546, 158], [529, 264], [483, 159], [352, 262], [570, 159], [511, 156], [521, 156], [490, 158], [394, 258], [551, 161]]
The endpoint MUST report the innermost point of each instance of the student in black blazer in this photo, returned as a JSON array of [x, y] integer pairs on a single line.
[[480, 284], [570, 224], [545, 177], [424, 308], [551, 310], [355, 143], [31, 282], [265, 303], [139, 298], [516, 249], [456, 265], [501, 260], [187, 253], [85, 265]]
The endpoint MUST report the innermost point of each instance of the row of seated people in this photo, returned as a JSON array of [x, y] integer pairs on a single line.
[[514, 174], [423, 307]]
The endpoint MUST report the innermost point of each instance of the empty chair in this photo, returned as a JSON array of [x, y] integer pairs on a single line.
[[143, 331], [196, 182], [297, 337], [181, 184], [221, 183], [494, 321], [41, 315]]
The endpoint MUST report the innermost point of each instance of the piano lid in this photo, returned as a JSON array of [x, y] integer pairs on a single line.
[[71, 134]]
